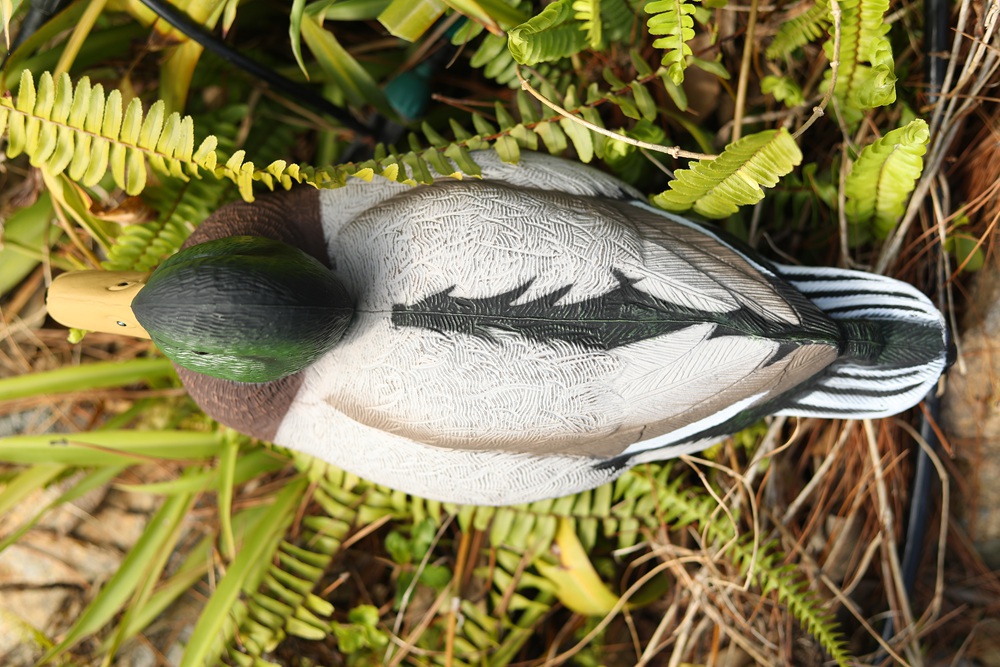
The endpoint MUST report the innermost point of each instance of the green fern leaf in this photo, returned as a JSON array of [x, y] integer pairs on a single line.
[[716, 188], [808, 26], [618, 20], [674, 21], [550, 35], [588, 13], [867, 72], [883, 177], [784, 89], [82, 131]]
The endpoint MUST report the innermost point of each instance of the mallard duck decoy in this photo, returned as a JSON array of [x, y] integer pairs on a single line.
[[524, 336]]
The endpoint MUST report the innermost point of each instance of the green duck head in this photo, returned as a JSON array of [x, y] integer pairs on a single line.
[[243, 308]]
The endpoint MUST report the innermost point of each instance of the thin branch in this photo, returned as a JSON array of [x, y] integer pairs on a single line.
[[887, 525], [672, 151], [818, 111], [741, 85], [945, 125]]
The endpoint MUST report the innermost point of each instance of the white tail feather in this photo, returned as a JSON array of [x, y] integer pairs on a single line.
[[852, 390]]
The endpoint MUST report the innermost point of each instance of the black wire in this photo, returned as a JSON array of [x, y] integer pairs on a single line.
[[197, 32], [37, 14], [936, 28]]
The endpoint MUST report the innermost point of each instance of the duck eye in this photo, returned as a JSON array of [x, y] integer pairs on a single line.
[[200, 353], [121, 324], [122, 284]]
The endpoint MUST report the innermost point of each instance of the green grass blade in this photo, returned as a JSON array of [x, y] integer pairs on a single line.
[[252, 464], [81, 378], [342, 69], [243, 574], [227, 476], [36, 474], [110, 448], [143, 563], [195, 566], [26, 482]]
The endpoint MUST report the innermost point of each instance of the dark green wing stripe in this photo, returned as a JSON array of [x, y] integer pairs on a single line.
[[619, 317]]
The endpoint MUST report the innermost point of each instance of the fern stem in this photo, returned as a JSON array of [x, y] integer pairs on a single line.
[[80, 33], [455, 589], [818, 111], [741, 85], [672, 151]]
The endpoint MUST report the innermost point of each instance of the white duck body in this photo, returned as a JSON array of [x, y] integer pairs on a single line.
[[464, 376]]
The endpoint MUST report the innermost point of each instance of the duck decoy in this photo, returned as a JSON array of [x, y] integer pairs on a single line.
[[526, 335]]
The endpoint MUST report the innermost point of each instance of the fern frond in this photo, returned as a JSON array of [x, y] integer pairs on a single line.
[[784, 89], [673, 19], [716, 188], [867, 72], [85, 132], [798, 31], [588, 13], [882, 178], [618, 19], [550, 35], [876, 86], [792, 590], [142, 247]]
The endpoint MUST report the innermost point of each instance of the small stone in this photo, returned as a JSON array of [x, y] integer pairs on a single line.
[[62, 519], [113, 527], [22, 566], [25, 612], [91, 562], [971, 408]]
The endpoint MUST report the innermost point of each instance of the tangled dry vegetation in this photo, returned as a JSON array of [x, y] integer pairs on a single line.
[[145, 534]]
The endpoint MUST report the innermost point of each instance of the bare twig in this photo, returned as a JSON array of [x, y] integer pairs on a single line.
[[887, 525], [672, 151], [981, 63], [818, 111], [934, 610], [741, 85], [818, 476]]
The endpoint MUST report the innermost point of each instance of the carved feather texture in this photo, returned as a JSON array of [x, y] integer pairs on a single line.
[[485, 363]]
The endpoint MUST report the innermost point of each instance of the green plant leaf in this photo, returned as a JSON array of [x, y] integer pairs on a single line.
[[410, 19], [26, 239], [784, 89], [576, 582], [243, 574], [295, 33], [548, 36], [717, 188], [801, 29], [342, 69], [673, 20], [347, 10], [588, 13], [143, 563], [882, 178], [496, 15]]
